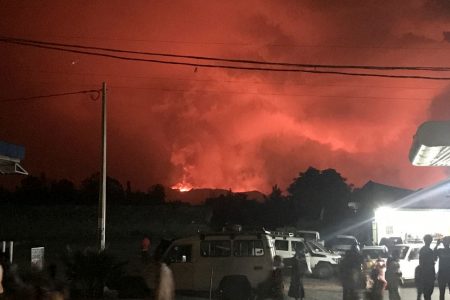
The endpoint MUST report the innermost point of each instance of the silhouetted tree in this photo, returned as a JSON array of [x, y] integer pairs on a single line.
[[234, 208], [157, 194], [321, 195], [63, 192], [89, 190], [33, 190], [278, 210]]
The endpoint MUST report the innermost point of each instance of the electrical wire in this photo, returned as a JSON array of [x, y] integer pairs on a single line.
[[284, 83], [97, 94], [207, 58], [231, 67]]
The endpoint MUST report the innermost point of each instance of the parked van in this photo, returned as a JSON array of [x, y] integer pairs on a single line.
[[216, 262], [321, 262]]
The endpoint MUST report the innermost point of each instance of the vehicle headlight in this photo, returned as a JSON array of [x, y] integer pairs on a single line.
[[336, 260]]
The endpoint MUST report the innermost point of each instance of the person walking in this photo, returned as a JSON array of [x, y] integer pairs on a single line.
[[444, 265], [426, 263], [379, 281], [393, 276], [351, 274], [299, 268], [418, 282]]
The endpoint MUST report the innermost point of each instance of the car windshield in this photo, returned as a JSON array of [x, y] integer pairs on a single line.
[[402, 250], [315, 247]]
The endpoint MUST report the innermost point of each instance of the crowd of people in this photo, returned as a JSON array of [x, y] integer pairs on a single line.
[[363, 278]]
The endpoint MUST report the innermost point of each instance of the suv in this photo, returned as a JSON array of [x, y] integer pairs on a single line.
[[321, 262], [217, 262], [409, 258]]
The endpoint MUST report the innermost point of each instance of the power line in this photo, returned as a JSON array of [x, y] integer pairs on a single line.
[[284, 83], [97, 92], [207, 58], [303, 96], [243, 44], [230, 66]]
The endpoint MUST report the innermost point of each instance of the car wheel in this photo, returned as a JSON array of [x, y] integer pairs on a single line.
[[323, 270]]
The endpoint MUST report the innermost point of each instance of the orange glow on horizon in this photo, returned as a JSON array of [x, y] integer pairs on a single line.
[[182, 187]]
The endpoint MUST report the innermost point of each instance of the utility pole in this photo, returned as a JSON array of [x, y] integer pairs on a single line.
[[102, 179]]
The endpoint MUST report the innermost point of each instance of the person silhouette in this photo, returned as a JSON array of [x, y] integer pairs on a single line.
[[444, 265], [426, 263]]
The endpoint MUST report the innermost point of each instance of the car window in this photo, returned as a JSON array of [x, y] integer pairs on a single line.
[[402, 250], [180, 254], [248, 248], [316, 247], [221, 248], [282, 245], [298, 244], [414, 254]]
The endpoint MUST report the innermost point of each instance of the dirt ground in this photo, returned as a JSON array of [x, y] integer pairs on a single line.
[[317, 289]]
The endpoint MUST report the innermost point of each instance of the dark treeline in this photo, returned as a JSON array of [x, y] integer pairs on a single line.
[[316, 199], [39, 190]]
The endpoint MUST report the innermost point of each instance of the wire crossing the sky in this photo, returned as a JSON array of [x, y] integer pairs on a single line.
[[234, 64], [96, 92]]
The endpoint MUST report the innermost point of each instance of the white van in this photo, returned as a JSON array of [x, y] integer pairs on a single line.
[[211, 263], [321, 262]]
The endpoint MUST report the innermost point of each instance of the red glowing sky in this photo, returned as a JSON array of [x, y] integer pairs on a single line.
[[219, 128]]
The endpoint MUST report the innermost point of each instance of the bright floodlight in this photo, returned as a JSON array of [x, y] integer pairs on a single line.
[[431, 145]]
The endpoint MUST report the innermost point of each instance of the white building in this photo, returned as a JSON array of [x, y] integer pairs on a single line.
[[426, 211]]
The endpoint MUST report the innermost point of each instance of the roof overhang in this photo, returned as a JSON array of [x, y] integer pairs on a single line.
[[10, 157], [431, 145], [10, 165]]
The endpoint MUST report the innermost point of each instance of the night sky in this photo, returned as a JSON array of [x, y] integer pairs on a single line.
[[243, 130]]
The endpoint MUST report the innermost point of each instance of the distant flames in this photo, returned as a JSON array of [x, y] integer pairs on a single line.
[[182, 187]]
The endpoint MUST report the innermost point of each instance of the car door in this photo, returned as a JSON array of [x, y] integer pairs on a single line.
[[179, 258]]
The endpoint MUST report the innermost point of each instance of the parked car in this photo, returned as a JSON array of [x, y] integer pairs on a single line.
[[409, 258], [217, 262], [341, 243], [321, 262]]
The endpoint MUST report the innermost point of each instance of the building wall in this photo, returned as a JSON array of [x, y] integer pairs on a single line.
[[411, 223]]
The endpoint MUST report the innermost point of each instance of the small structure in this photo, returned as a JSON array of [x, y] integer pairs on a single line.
[[431, 144], [10, 158], [426, 211]]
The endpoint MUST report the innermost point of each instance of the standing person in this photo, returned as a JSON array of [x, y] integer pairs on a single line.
[[299, 268], [145, 249], [351, 274], [426, 263], [393, 276], [444, 265], [379, 281], [418, 282], [276, 280], [367, 271]]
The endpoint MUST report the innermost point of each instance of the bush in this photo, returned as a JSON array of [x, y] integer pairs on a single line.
[[90, 271]]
